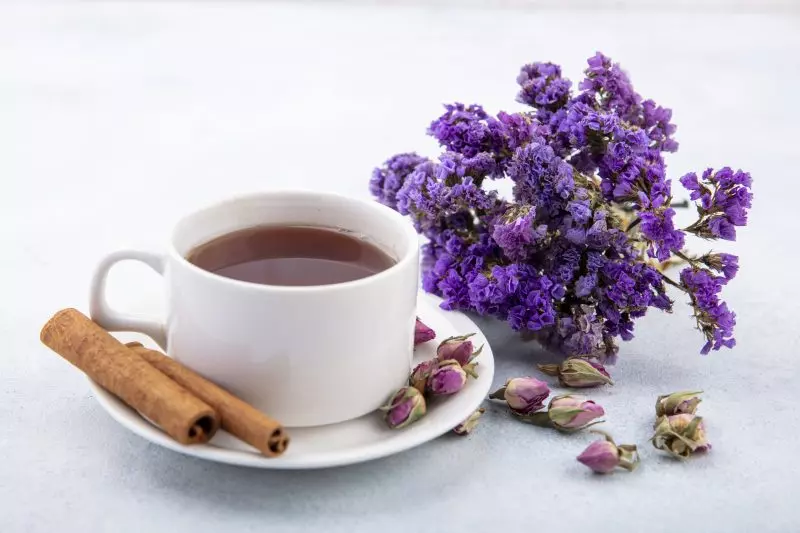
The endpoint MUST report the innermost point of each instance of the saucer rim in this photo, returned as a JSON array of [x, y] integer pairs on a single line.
[[411, 437]]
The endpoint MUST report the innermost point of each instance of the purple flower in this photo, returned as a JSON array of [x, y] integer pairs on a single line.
[[658, 228], [714, 319], [580, 211], [453, 164], [724, 199], [524, 396], [420, 187], [580, 334], [719, 227], [726, 263], [656, 120], [422, 333], [462, 129], [509, 132], [542, 86], [540, 176], [608, 85], [585, 285], [485, 295], [566, 260], [534, 312], [631, 287], [454, 291], [434, 193], [387, 180], [469, 131], [517, 234]]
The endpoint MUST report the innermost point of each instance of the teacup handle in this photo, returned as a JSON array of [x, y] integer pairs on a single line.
[[112, 320]]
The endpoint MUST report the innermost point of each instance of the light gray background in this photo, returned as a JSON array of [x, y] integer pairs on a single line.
[[117, 118]]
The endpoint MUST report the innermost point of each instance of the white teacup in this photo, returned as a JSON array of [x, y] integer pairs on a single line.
[[307, 355]]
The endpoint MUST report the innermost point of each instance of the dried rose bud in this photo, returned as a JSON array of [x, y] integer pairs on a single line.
[[684, 402], [573, 412], [468, 426], [448, 378], [419, 376], [406, 406], [603, 456], [523, 395], [578, 373], [422, 333], [459, 348], [680, 435]]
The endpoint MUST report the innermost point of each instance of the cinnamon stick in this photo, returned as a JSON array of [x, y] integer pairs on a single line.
[[237, 417], [125, 374]]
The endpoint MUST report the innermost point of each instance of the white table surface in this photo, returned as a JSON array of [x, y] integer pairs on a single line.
[[115, 119]]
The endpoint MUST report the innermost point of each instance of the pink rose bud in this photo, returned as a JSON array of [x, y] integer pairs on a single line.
[[573, 412], [405, 407], [448, 378], [578, 373], [523, 395], [603, 456], [422, 333], [458, 348], [419, 376], [680, 435], [468, 426], [684, 402]]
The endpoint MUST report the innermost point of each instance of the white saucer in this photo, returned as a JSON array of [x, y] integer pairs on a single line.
[[349, 442]]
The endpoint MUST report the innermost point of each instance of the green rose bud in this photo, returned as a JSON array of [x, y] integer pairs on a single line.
[[677, 403], [578, 373], [680, 435]]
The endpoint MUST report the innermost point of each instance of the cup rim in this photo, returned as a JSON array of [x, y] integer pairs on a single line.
[[410, 235]]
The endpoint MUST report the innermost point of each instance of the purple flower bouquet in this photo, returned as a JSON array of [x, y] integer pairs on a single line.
[[578, 253]]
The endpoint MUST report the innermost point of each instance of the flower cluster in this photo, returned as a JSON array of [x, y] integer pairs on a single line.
[[575, 257], [678, 430], [723, 200], [443, 376]]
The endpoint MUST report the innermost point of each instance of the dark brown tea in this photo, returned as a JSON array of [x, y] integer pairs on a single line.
[[290, 255]]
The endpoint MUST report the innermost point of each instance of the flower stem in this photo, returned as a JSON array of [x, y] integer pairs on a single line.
[[499, 394], [690, 260], [670, 281], [683, 204]]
